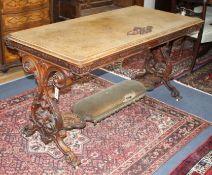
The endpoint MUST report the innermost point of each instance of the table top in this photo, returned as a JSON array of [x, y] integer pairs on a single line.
[[84, 40]]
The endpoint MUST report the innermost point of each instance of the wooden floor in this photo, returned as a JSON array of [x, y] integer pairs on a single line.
[[12, 74]]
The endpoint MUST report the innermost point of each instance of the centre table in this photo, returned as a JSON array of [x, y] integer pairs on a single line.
[[58, 54]]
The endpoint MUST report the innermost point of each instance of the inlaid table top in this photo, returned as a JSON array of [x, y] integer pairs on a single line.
[[84, 40]]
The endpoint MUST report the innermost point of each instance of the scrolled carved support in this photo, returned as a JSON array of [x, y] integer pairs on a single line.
[[46, 117], [166, 51], [60, 79], [158, 65]]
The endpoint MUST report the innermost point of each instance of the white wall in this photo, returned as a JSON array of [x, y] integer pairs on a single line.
[[149, 3]]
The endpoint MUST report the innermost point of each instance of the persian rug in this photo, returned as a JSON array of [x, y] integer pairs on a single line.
[[136, 140], [200, 79], [181, 62], [197, 163]]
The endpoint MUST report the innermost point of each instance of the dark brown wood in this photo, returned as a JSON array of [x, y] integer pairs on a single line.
[[69, 9], [139, 2], [65, 9], [164, 5], [158, 71], [45, 114], [196, 46]]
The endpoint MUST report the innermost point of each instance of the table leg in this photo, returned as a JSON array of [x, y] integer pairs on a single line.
[[46, 117], [149, 77], [167, 72], [158, 71]]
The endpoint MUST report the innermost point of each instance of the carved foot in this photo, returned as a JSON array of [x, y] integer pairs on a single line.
[[174, 92], [70, 156], [29, 129], [72, 159]]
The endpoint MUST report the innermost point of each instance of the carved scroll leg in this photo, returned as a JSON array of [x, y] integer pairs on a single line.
[[174, 92], [46, 117], [71, 157], [166, 76]]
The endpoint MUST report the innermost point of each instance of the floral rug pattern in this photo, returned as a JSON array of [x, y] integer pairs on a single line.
[[138, 139], [181, 61], [200, 79]]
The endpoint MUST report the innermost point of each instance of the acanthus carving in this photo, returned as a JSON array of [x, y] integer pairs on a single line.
[[46, 117], [159, 70]]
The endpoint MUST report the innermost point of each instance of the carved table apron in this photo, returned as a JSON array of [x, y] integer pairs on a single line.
[[58, 53]]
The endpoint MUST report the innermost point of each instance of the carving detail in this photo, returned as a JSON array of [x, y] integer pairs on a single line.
[[46, 117]]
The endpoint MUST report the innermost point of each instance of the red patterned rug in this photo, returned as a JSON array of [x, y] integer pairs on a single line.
[[197, 163], [182, 61], [200, 79], [135, 140]]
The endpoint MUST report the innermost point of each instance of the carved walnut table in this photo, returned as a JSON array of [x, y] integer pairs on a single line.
[[60, 52]]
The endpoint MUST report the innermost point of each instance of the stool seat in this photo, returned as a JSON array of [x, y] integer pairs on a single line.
[[104, 103]]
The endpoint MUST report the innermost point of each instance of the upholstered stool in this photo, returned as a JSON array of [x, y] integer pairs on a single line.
[[104, 103]]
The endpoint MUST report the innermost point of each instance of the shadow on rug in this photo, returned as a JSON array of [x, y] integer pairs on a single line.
[[200, 79], [135, 140], [197, 163]]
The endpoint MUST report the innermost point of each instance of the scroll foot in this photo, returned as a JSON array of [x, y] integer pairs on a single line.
[[70, 156], [72, 159], [174, 92]]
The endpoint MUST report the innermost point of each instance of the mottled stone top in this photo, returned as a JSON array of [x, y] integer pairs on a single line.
[[83, 40]]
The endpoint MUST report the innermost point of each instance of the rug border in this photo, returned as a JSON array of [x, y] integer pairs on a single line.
[[189, 156], [181, 110]]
